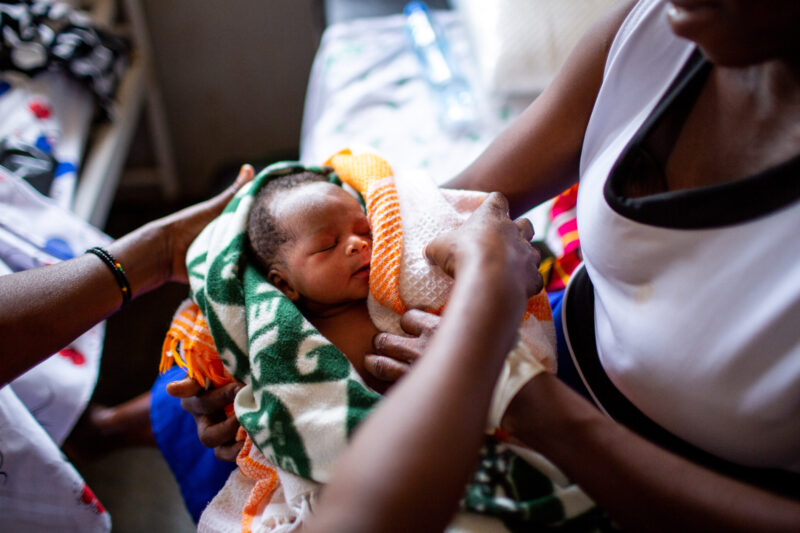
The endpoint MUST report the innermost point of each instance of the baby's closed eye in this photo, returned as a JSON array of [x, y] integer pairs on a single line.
[[325, 246]]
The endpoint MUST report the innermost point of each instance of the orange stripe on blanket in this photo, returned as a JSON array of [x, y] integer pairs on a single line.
[[359, 171], [266, 479], [383, 208], [367, 174], [539, 307]]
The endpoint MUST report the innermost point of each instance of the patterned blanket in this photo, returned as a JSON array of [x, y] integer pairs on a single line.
[[302, 398]]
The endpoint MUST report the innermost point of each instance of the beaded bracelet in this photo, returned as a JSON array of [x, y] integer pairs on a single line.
[[117, 270]]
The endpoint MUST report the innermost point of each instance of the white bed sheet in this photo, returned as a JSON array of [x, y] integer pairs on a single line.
[[367, 89]]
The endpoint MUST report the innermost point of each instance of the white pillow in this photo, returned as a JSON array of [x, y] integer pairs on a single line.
[[520, 44]]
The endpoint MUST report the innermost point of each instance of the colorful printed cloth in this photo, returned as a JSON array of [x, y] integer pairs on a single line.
[[39, 35], [302, 398], [40, 491], [564, 226]]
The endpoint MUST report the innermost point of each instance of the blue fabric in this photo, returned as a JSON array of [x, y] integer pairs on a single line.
[[566, 367], [197, 470]]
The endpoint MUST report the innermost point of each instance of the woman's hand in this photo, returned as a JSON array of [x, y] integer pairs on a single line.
[[156, 253], [214, 429], [397, 353], [495, 245], [183, 226], [87, 290], [488, 232], [442, 404]]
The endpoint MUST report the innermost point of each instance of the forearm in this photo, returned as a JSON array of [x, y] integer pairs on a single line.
[[642, 486], [538, 156], [407, 466], [524, 163], [44, 309]]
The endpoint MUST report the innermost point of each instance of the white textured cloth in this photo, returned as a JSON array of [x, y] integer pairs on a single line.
[[283, 512], [292, 503], [427, 211], [405, 213]]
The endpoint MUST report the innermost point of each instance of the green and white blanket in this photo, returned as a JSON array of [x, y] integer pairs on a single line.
[[303, 399]]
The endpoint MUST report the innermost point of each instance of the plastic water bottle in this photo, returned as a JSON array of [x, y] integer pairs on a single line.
[[457, 111]]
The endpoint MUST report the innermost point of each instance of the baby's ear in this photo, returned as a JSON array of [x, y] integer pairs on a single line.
[[277, 277]]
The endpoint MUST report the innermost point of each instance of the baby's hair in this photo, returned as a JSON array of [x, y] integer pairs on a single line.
[[265, 234]]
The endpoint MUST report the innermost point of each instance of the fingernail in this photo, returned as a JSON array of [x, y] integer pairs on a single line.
[[240, 179], [426, 257]]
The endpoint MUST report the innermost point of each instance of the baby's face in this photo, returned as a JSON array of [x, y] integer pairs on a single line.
[[328, 256]]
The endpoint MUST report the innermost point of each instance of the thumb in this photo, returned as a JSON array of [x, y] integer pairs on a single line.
[[183, 388], [246, 175]]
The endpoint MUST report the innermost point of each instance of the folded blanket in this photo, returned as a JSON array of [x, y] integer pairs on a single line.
[[303, 399], [404, 215]]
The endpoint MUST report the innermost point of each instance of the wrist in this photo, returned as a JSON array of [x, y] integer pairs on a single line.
[[143, 255], [546, 412]]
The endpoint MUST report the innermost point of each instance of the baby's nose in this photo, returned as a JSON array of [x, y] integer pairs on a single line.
[[356, 244]]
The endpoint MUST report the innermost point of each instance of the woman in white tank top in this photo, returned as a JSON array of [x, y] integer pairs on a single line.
[[682, 121]]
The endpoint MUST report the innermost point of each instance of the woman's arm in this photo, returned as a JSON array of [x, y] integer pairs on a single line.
[[408, 464], [537, 156], [643, 487], [43, 309]]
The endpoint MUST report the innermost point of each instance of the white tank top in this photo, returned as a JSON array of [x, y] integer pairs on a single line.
[[697, 293]]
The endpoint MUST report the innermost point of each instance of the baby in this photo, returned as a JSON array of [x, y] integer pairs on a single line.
[[298, 236], [313, 242]]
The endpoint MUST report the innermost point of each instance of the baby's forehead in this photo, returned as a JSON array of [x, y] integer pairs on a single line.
[[320, 193]]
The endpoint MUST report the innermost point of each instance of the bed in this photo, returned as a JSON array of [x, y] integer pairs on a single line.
[[367, 88]]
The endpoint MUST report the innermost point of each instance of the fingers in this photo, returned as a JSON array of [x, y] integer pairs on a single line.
[[246, 175], [416, 322], [396, 353], [228, 452], [208, 408], [385, 368], [213, 433], [441, 251], [404, 349], [525, 228], [218, 203], [535, 282], [211, 402], [183, 388], [496, 203]]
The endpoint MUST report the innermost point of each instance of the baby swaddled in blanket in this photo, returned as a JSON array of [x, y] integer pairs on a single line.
[[293, 281]]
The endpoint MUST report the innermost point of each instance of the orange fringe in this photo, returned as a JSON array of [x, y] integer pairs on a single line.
[[189, 344]]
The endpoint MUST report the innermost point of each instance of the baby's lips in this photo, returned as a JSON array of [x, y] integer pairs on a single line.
[[364, 270]]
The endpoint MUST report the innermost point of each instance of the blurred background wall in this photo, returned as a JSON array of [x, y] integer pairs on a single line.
[[233, 76]]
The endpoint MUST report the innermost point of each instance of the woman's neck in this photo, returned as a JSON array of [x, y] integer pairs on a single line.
[[761, 103]]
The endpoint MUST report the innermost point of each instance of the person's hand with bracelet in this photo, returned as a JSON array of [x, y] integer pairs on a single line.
[[43, 309]]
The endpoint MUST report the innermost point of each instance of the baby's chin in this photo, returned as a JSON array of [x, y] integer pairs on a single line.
[[364, 295]]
